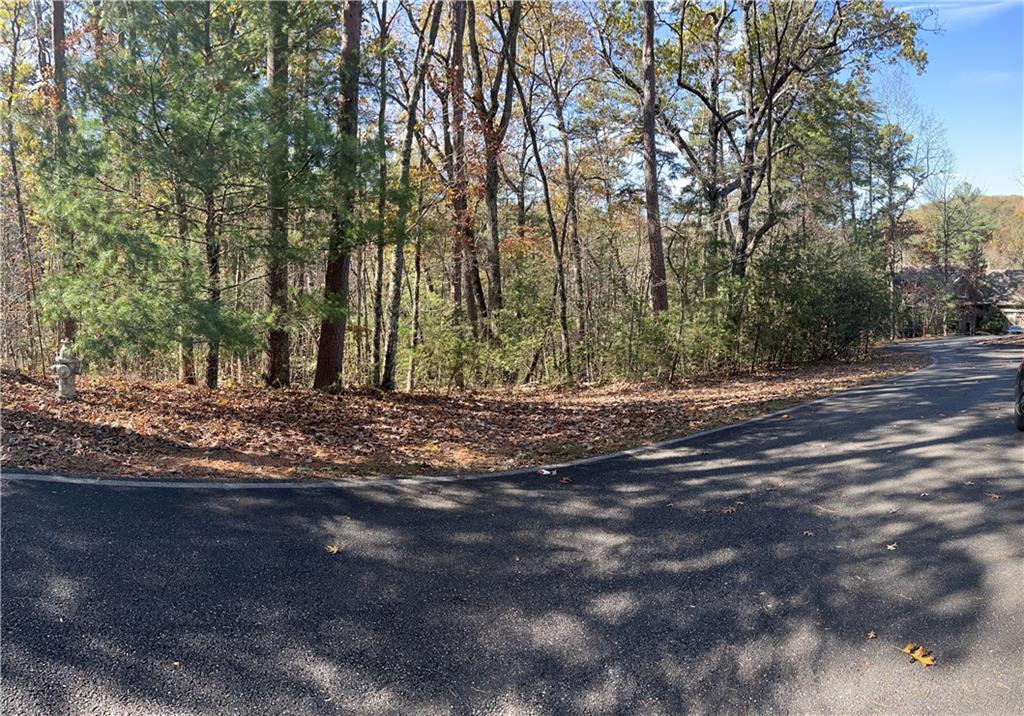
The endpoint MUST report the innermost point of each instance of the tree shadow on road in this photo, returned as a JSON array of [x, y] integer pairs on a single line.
[[718, 576]]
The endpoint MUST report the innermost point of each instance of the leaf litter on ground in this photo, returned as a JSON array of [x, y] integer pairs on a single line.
[[124, 427]]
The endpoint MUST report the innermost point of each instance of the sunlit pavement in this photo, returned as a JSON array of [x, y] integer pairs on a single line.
[[736, 572]]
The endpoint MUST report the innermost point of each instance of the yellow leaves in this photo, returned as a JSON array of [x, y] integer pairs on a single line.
[[332, 549], [918, 653]]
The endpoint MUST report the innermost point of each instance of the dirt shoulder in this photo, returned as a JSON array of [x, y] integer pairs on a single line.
[[129, 428]]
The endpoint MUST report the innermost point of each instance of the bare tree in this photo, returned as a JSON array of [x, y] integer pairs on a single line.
[[493, 111], [556, 244], [424, 49]]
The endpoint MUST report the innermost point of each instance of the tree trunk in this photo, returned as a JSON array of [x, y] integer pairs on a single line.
[[211, 241], [68, 324], [494, 292], [575, 248], [391, 352], [415, 338], [278, 348], [382, 165], [463, 218], [456, 241], [19, 203], [659, 283], [556, 247], [331, 349], [493, 132], [186, 344]]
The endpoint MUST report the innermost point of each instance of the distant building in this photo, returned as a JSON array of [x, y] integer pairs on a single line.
[[933, 301]]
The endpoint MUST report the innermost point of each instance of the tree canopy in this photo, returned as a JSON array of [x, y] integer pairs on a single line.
[[407, 194]]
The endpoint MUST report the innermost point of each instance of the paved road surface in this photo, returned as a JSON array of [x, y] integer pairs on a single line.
[[735, 573]]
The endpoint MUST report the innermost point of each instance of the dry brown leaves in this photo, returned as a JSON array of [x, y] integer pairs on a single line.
[[1004, 340], [918, 653], [130, 428]]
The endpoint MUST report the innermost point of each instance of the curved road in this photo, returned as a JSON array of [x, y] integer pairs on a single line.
[[734, 572]]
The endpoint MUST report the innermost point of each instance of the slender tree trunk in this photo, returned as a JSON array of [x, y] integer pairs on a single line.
[[494, 291], [556, 247], [659, 282], [278, 343], [463, 218], [425, 49], [186, 345], [382, 165], [211, 238], [713, 191], [211, 241], [19, 203], [893, 267], [493, 131], [456, 240], [331, 349], [65, 239], [575, 248], [415, 337], [42, 58]]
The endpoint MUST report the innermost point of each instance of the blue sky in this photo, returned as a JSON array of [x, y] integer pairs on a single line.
[[974, 84]]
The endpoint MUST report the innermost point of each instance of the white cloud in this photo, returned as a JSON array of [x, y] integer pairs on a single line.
[[958, 12]]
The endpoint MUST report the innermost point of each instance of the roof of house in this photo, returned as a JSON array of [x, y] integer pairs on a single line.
[[1003, 288]]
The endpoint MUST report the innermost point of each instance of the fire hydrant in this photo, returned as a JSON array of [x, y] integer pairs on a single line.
[[65, 368]]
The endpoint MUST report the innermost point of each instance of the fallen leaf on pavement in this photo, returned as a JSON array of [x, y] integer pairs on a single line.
[[969, 483], [891, 547], [728, 510], [565, 480], [872, 635], [332, 549], [918, 653], [176, 664], [893, 510], [993, 496]]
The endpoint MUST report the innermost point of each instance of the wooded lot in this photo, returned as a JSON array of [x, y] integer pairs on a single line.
[[452, 195]]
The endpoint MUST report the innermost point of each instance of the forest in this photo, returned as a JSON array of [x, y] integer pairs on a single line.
[[431, 195]]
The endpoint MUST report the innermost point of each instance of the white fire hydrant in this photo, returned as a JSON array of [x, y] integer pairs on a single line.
[[65, 368]]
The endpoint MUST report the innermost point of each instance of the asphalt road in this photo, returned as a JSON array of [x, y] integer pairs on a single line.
[[738, 572]]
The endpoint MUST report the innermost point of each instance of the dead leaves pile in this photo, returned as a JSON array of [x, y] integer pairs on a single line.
[[132, 428]]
